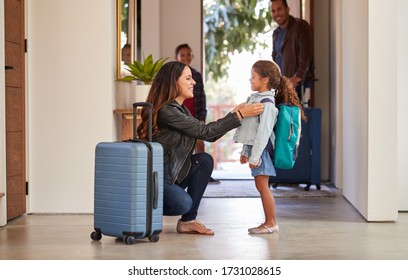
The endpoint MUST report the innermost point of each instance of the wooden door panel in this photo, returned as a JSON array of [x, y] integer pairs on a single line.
[[16, 193], [13, 57], [16, 197], [14, 154], [14, 109], [12, 20]]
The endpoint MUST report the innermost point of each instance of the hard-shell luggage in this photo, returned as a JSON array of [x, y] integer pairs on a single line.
[[307, 166], [128, 188]]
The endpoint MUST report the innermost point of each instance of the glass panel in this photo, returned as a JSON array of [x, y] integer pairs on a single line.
[[128, 24]]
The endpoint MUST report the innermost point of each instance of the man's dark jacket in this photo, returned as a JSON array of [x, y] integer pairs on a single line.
[[297, 49]]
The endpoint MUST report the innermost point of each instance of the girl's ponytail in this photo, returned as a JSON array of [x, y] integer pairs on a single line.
[[286, 93]]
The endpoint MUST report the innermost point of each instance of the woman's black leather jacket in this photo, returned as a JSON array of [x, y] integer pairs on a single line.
[[178, 131]]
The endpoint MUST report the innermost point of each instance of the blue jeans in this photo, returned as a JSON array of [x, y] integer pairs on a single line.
[[184, 198]]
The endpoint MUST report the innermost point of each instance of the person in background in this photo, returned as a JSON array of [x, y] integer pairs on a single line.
[[292, 46], [186, 175], [197, 105], [125, 58], [255, 133]]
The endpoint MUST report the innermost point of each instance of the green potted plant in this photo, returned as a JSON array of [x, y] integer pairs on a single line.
[[141, 75], [144, 71]]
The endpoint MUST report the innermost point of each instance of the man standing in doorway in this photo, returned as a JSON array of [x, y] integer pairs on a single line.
[[292, 46]]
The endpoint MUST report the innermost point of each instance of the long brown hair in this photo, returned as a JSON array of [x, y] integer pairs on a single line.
[[164, 90], [284, 90]]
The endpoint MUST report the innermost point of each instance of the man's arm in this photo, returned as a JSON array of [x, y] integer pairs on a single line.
[[305, 50]]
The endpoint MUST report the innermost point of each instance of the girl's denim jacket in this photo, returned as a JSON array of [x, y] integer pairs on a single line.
[[256, 131]]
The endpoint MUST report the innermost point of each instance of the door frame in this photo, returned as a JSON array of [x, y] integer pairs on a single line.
[[3, 205]]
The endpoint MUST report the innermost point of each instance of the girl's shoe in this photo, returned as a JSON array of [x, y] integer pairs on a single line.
[[263, 229]]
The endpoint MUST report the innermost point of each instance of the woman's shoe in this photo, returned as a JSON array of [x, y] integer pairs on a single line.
[[214, 181], [193, 227], [263, 229]]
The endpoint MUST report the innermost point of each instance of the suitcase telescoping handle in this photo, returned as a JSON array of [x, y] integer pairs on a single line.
[[154, 178], [150, 108]]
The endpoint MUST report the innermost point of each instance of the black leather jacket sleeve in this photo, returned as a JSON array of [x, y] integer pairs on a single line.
[[178, 131], [175, 117]]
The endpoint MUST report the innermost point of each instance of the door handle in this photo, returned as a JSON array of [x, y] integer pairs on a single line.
[[8, 67]]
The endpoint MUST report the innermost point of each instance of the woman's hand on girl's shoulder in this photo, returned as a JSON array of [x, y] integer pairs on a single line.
[[251, 110], [238, 107]]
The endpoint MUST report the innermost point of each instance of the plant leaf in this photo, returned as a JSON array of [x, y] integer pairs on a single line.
[[144, 71]]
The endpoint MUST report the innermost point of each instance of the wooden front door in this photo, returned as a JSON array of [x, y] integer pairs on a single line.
[[15, 107]]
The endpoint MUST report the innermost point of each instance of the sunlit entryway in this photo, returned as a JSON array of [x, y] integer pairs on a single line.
[[231, 89]]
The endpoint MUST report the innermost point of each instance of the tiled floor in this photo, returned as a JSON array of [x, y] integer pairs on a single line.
[[311, 228]]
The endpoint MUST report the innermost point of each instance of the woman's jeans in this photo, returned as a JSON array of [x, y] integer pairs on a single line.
[[184, 198]]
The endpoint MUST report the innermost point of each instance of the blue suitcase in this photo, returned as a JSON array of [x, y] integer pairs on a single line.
[[128, 188], [307, 166]]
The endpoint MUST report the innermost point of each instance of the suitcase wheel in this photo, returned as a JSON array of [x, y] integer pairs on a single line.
[[129, 239], [95, 235], [154, 238]]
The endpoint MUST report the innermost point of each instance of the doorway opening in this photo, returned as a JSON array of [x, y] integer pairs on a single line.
[[228, 69]]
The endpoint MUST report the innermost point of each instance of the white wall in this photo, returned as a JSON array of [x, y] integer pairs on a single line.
[[382, 128], [402, 8], [182, 25], [71, 96], [322, 86], [336, 121], [151, 19], [166, 24], [369, 129], [355, 103], [71, 73], [3, 205]]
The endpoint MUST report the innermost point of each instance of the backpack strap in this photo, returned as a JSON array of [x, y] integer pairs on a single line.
[[269, 146], [267, 99]]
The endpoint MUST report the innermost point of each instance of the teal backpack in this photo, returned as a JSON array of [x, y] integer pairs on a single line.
[[287, 135]]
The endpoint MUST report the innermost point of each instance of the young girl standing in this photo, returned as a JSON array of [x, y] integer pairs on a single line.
[[255, 132]]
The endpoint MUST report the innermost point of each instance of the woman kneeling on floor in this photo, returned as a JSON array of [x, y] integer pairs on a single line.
[[186, 175]]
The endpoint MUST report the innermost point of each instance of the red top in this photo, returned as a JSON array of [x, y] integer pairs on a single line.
[[189, 103]]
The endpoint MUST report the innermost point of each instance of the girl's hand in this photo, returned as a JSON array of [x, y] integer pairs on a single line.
[[253, 165], [243, 159]]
